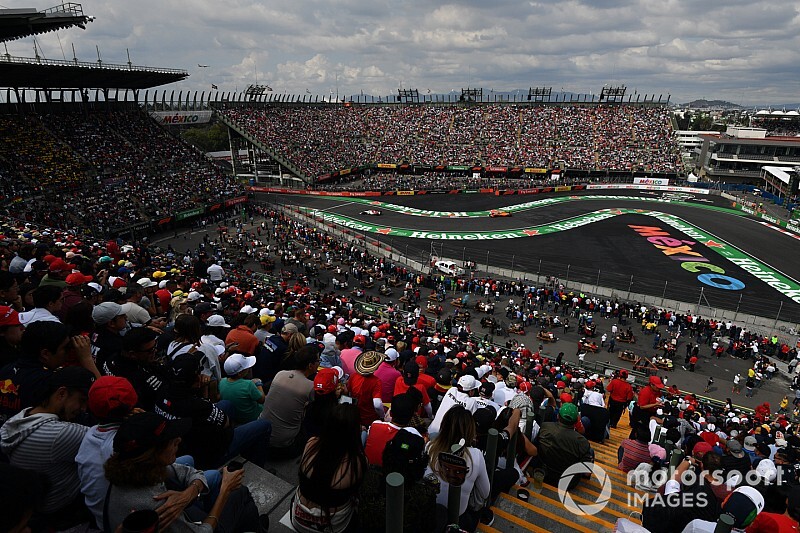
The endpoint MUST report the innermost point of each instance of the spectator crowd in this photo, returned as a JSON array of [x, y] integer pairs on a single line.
[[103, 170], [138, 379], [322, 139]]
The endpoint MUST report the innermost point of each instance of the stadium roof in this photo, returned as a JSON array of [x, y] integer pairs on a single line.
[[49, 74], [24, 22]]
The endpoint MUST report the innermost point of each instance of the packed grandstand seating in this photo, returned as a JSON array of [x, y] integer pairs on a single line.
[[784, 126], [110, 169], [319, 140], [459, 379]]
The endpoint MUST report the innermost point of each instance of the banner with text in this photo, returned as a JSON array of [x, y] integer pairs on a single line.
[[178, 118]]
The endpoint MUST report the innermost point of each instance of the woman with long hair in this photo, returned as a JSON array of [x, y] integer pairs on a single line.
[[331, 471], [458, 428]]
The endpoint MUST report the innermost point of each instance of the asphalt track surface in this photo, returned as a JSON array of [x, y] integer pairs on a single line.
[[607, 253]]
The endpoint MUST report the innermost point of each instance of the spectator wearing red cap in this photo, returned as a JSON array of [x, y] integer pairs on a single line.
[[328, 389], [426, 379], [620, 394], [57, 273], [111, 399], [72, 295], [11, 330], [648, 401]]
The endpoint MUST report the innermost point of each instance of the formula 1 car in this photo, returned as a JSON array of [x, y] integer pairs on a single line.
[[371, 212], [495, 213]]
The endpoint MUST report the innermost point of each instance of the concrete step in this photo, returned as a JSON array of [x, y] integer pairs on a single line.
[[547, 514], [267, 489]]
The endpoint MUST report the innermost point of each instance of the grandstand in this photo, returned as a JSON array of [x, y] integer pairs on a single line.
[[67, 160], [325, 141]]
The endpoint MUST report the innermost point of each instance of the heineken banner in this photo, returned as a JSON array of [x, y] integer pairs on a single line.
[[183, 215]]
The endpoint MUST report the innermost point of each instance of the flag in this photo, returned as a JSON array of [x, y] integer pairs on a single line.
[[214, 86]]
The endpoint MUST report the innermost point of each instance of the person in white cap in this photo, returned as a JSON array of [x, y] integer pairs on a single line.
[[463, 393], [244, 392]]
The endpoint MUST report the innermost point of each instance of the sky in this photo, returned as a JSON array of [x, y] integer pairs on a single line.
[[743, 51]]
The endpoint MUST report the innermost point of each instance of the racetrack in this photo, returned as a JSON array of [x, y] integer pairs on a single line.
[[545, 236]]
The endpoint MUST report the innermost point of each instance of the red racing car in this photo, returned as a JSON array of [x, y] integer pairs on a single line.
[[494, 213]]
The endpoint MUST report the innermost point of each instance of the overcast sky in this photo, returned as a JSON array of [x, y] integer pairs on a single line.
[[744, 51]]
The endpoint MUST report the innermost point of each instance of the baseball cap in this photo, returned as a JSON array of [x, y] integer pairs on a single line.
[[146, 283], [326, 380], [59, 265], [657, 451], [410, 372], [237, 362], [142, 431], [656, 381], [106, 312], [289, 328], [743, 505], [422, 361], [701, 447], [766, 470], [193, 296], [391, 355], [8, 316], [735, 448], [187, 366], [112, 397], [486, 389], [568, 413], [468, 383], [76, 278], [217, 321], [750, 443], [203, 307]]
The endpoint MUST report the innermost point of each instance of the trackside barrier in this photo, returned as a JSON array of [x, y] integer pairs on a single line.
[[394, 503]]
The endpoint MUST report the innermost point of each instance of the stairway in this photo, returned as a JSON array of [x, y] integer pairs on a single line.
[[544, 512]]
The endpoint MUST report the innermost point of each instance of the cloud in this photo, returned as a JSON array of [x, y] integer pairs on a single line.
[[739, 50]]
